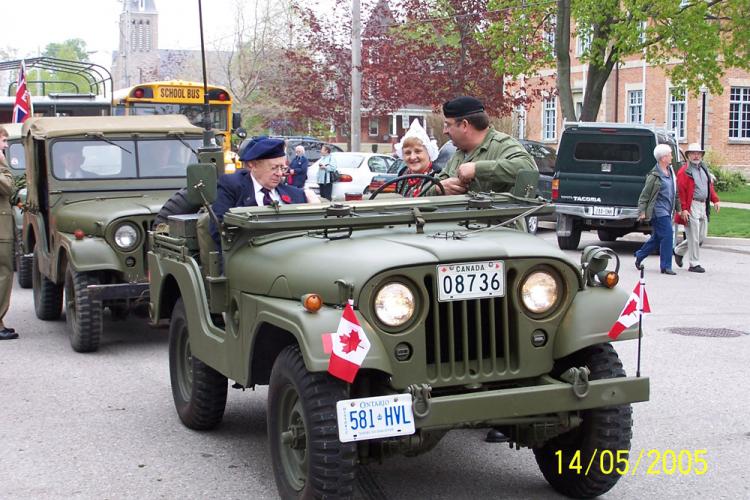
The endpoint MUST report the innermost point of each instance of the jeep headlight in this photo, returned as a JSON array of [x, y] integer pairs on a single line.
[[394, 304], [126, 236], [539, 292]]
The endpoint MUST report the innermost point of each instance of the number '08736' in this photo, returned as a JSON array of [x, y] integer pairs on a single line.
[[460, 284]]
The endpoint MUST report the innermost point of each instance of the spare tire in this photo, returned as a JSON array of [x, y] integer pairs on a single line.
[[177, 204]]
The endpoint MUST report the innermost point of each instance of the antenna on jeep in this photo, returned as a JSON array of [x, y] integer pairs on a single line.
[[210, 152]]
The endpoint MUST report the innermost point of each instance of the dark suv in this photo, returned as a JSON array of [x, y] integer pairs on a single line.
[[600, 171]]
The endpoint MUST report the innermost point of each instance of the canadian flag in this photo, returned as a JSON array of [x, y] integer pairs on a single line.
[[632, 310], [348, 346]]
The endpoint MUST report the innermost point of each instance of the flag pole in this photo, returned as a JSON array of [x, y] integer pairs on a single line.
[[641, 293]]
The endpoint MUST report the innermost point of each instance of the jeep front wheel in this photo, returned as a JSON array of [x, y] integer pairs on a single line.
[[308, 459], [47, 294], [199, 391], [603, 431], [82, 312]]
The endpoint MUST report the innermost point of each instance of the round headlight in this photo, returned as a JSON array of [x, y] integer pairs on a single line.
[[126, 236], [539, 292], [394, 304]]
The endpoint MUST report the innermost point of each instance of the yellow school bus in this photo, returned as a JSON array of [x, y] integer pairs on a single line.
[[183, 98]]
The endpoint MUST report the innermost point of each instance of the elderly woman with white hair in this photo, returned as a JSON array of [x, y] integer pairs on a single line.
[[418, 152], [657, 203]]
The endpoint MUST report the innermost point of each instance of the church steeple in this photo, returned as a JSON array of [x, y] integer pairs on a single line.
[[137, 59]]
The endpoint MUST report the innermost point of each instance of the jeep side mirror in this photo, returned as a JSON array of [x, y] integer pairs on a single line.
[[526, 184], [201, 183]]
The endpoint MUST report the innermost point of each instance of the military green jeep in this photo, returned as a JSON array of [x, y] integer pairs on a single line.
[[471, 324], [94, 187]]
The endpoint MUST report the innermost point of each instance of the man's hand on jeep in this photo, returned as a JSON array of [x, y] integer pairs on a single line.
[[466, 172], [453, 185], [641, 216]]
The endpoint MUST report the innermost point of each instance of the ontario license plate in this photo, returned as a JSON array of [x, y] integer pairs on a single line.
[[376, 417], [471, 280], [604, 210]]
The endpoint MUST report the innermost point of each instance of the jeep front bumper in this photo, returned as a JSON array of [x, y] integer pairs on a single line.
[[119, 291], [483, 409]]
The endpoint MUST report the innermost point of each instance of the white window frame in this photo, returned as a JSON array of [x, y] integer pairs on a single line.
[[739, 113], [550, 33], [376, 121], [634, 105], [677, 113], [549, 119], [583, 42]]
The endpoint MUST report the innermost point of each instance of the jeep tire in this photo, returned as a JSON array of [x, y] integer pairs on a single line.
[[177, 204], [82, 312], [602, 430], [308, 459], [570, 242], [199, 392], [47, 295], [606, 235], [24, 268]]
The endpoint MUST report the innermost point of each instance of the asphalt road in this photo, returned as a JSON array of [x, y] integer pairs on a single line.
[[103, 425]]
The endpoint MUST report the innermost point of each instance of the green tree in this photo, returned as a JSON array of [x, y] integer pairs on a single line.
[[706, 36], [73, 49]]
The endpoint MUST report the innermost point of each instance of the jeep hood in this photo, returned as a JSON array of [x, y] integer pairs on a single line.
[[298, 265], [94, 215]]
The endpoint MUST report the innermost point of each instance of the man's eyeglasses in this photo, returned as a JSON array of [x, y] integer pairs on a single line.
[[279, 169]]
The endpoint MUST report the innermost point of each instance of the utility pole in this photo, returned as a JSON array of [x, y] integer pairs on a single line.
[[356, 120]]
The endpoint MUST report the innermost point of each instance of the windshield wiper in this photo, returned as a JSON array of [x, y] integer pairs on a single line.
[[102, 138], [187, 145]]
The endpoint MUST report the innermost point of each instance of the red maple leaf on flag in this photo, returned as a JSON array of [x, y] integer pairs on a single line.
[[351, 341]]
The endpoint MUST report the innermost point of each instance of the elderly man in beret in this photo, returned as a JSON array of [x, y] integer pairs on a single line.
[[259, 183], [696, 191], [485, 160]]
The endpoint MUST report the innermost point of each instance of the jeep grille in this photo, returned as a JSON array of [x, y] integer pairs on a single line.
[[469, 339]]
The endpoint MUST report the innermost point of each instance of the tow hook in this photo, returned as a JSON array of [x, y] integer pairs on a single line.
[[579, 379], [421, 395]]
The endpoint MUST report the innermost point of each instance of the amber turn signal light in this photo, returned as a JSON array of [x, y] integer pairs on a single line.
[[312, 302], [608, 278]]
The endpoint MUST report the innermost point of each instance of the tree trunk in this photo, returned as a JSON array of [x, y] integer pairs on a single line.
[[562, 51]]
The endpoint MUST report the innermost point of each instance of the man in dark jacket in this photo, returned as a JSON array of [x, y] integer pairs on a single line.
[[259, 183], [298, 167]]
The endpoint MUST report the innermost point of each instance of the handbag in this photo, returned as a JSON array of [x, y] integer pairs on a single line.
[[334, 176]]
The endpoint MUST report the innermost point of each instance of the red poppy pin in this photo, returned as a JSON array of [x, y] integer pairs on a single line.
[[285, 198]]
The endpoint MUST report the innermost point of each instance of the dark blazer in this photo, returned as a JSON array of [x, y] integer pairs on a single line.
[[299, 166], [236, 190]]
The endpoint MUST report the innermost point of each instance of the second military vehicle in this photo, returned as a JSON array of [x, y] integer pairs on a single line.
[[470, 324], [94, 186]]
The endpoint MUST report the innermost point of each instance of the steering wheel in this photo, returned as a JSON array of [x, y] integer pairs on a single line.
[[434, 181]]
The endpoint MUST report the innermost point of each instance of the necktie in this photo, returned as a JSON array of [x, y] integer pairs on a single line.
[[266, 196]]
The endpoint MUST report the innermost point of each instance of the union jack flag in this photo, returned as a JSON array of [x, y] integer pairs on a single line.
[[22, 108]]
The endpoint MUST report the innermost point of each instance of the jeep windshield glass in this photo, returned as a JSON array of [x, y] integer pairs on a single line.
[[111, 159], [610, 152]]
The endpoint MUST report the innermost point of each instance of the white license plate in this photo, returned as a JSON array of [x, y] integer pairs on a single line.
[[376, 417], [604, 210], [471, 280]]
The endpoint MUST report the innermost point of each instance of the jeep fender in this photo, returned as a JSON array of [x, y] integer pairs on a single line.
[[89, 254], [589, 318], [309, 328]]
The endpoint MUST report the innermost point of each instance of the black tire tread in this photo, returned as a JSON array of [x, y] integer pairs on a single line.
[[332, 464], [606, 235], [570, 242], [48, 296], [25, 268], [85, 322], [607, 428], [205, 408], [177, 204]]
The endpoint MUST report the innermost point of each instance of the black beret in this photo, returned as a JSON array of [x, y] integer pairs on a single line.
[[462, 106], [263, 148]]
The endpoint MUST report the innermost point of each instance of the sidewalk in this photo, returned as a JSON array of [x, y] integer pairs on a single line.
[[729, 204]]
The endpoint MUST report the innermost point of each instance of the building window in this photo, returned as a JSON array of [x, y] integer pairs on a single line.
[[635, 106], [373, 127], [583, 42], [642, 32], [676, 112], [549, 119], [739, 113], [549, 34]]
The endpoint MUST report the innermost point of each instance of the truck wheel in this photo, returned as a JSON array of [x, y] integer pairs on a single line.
[[603, 431], [24, 270], [532, 224], [82, 312], [570, 242], [606, 235], [308, 459], [47, 295], [199, 392]]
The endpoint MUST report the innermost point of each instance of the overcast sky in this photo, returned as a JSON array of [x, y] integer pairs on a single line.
[[40, 22]]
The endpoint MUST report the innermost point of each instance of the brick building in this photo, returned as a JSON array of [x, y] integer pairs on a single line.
[[642, 93]]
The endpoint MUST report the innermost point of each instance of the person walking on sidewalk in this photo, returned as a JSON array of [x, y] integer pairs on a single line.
[[7, 235], [695, 191], [657, 203]]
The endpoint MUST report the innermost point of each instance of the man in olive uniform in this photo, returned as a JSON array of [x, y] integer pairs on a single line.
[[7, 230], [486, 160]]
